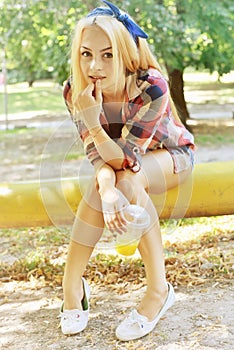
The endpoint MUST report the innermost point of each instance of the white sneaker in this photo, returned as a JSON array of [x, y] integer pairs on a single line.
[[75, 321], [135, 326]]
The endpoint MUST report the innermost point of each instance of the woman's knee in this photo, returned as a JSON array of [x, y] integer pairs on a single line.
[[129, 183], [91, 196]]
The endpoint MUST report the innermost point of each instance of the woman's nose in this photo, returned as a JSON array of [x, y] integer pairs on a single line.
[[96, 64]]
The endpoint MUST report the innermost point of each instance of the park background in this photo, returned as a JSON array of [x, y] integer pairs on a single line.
[[193, 41]]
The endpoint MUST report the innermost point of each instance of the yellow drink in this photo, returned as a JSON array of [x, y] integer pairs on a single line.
[[126, 250], [137, 220]]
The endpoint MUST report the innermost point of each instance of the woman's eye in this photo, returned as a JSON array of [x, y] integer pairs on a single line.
[[108, 55], [86, 54]]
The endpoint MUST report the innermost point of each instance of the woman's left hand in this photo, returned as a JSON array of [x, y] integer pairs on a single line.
[[113, 205], [89, 104]]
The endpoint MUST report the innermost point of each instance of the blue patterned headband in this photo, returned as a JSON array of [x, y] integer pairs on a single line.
[[122, 17]]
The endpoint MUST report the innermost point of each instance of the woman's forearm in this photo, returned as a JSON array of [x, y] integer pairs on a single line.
[[110, 152], [105, 177]]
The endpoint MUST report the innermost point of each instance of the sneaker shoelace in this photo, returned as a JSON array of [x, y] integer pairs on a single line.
[[132, 320]]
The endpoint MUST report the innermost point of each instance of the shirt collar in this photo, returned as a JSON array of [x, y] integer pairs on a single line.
[[132, 88]]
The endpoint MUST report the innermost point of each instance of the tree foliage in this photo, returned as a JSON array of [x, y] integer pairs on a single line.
[[188, 33], [36, 35]]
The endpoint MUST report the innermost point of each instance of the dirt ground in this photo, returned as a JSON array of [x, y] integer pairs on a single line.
[[201, 319]]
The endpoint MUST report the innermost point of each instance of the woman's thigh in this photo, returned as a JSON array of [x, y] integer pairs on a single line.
[[158, 171]]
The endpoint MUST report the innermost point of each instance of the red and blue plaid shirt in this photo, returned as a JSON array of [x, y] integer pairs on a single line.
[[147, 123]]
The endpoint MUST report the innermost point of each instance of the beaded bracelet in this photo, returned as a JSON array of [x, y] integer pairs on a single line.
[[96, 133]]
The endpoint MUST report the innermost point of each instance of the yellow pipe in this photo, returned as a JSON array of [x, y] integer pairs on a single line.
[[209, 192]]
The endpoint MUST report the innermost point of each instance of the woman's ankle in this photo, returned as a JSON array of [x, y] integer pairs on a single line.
[[152, 302], [73, 296]]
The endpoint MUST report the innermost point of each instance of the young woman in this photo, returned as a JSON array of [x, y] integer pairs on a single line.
[[120, 102]]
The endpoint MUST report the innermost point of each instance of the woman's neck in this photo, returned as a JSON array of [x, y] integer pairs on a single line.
[[115, 93], [118, 97]]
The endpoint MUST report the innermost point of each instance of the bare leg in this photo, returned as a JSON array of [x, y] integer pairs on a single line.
[[156, 175], [87, 230], [77, 259], [151, 251]]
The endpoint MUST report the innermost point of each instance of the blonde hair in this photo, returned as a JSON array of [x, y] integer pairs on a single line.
[[126, 52]]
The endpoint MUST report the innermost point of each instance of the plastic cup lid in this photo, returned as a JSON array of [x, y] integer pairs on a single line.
[[136, 216]]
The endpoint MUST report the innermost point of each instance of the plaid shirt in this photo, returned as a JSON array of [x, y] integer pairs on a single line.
[[147, 123]]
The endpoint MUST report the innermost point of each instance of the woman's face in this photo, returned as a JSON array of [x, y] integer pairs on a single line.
[[96, 61]]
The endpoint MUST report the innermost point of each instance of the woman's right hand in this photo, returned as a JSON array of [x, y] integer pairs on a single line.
[[89, 104], [113, 205]]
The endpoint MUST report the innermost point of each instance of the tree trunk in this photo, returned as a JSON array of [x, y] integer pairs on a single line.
[[30, 83], [177, 93]]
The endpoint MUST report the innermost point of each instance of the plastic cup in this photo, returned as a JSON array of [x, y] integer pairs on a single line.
[[138, 220]]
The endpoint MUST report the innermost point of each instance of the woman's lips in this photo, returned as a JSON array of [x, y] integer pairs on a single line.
[[94, 79]]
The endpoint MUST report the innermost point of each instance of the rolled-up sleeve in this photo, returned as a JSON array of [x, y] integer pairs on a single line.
[[146, 112], [89, 146]]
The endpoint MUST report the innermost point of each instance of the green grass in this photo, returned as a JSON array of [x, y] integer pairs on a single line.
[[44, 96], [214, 139], [202, 88], [194, 77], [47, 96], [15, 131]]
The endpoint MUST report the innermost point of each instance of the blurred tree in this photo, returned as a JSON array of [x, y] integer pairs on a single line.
[[23, 38], [36, 35], [57, 48], [188, 33]]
